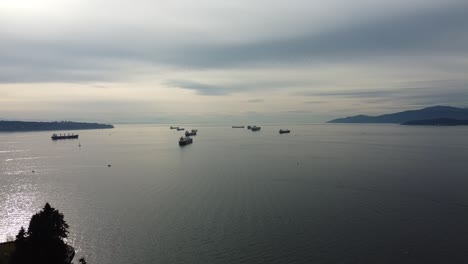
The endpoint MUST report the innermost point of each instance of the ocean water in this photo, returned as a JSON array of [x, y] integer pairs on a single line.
[[326, 193]]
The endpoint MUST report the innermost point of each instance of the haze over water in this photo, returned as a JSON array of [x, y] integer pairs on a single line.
[[322, 194]]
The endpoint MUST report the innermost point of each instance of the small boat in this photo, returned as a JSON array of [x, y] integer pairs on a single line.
[[195, 130], [187, 133], [180, 128], [283, 131], [185, 141], [174, 127], [64, 136], [249, 127], [255, 128], [237, 126]]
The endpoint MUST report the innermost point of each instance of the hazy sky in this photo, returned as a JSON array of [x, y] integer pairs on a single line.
[[229, 61]]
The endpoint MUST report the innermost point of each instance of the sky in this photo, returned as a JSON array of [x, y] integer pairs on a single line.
[[243, 61]]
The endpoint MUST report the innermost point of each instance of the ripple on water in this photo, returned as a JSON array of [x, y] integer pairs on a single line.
[[14, 151], [26, 158]]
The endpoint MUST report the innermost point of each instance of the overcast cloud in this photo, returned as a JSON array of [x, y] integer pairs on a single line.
[[137, 61]]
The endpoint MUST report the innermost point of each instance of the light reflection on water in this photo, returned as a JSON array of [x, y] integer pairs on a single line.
[[19, 189], [27, 158], [16, 172], [17, 208], [14, 151]]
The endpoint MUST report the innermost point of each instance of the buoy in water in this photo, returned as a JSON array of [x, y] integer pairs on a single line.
[[108, 165]]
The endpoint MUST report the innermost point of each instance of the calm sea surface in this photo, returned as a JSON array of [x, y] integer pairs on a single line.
[[322, 194]]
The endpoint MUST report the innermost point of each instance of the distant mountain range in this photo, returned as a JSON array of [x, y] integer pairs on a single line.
[[428, 115], [13, 126]]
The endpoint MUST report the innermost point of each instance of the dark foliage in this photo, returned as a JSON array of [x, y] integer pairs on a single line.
[[21, 235], [44, 240], [48, 225]]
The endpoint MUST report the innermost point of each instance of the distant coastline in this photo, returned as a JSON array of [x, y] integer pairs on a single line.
[[18, 126], [436, 115], [437, 122]]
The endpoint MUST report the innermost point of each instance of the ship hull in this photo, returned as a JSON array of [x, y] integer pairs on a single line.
[[64, 137], [186, 141]]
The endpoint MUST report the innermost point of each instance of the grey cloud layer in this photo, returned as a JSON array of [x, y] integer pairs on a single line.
[[236, 86], [448, 92], [231, 48], [442, 31]]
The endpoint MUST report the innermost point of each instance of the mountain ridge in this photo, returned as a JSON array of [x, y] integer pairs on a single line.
[[433, 112]]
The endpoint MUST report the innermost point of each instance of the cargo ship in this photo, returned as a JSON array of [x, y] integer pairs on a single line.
[[64, 136], [185, 141], [193, 133], [283, 131], [255, 128]]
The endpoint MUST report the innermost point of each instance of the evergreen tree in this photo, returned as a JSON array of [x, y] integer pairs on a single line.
[[21, 248], [21, 236], [44, 240], [48, 225]]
